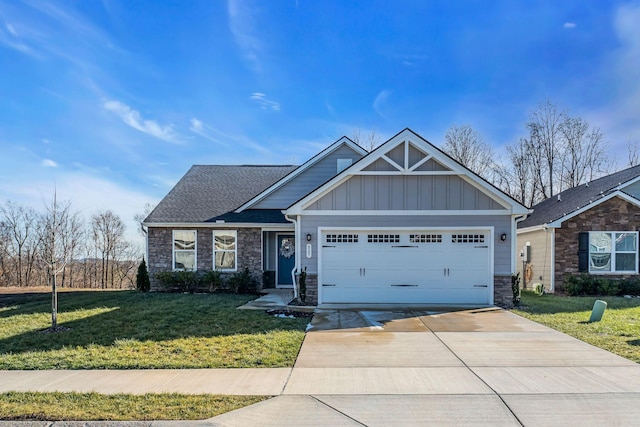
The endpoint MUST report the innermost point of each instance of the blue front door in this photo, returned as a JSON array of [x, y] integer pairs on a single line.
[[286, 259]]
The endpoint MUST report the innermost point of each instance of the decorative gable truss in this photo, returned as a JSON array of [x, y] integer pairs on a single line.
[[407, 175]]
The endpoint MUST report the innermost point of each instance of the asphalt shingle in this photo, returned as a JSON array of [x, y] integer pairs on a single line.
[[206, 192], [575, 198]]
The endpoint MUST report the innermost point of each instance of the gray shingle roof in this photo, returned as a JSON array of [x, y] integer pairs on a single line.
[[209, 191], [575, 198]]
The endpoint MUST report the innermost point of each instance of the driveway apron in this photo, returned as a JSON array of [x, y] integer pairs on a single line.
[[407, 366]]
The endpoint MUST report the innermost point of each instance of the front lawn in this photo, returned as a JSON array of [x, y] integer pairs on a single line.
[[117, 407], [618, 332], [131, 330]]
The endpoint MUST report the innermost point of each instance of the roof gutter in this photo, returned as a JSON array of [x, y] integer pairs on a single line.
[[296, 226]]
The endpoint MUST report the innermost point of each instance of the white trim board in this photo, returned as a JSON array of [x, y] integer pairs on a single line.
[[407, 137], [306, 165]]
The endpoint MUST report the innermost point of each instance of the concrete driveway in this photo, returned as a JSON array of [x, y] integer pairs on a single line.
[[455, 367]]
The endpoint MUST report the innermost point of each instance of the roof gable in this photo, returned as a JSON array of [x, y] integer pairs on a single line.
[[409, 155], [306, 177], [568, 203]]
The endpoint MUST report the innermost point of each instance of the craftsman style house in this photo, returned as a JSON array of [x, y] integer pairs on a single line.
[[404, 223]]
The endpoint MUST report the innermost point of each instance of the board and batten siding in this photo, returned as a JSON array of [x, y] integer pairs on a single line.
[[418, 192], [500, 223], [307, 181], [540, 261]]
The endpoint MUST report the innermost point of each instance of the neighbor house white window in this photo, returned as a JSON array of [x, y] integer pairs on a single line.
[[184, 249], [613, 252], [225, 250]]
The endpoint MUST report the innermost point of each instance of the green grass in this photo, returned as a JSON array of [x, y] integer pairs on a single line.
[[117, 407], [131, 330], [617, 332]]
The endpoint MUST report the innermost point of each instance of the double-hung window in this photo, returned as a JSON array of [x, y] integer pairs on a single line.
[[225, 250], [613, 252], [184, 249]]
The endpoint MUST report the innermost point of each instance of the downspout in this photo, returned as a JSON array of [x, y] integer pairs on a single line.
[[514, 241], [296, 227]]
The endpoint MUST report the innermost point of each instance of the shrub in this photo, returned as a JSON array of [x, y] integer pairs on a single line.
[[302, 283], [211, 281], [143, 284], [243, 282], [515, 288], [177, 281], [586, 285]]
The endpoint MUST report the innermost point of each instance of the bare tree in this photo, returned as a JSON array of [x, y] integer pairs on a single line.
[[545, 143], [56, 240], [466, 145], [518, 176], [584, 154], [20, 224], [633, 150], [369, 141], [108, 232], [140, 217]]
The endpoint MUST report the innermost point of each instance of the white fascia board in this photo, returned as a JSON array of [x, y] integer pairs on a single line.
[[624, 196], [218, 225], [296, 208], [532, 228], [306, 165], [429, 149], [408, 212], [625, 184]]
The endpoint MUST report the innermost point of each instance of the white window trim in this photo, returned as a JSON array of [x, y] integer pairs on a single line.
[[613, 254], [229, 270], [174, 250]]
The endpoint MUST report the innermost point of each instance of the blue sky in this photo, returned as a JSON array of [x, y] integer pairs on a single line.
[[111, 102]]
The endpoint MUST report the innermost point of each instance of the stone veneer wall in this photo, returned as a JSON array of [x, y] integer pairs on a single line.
[[615, 214], [249, 246], [312, 289], [502, 292]]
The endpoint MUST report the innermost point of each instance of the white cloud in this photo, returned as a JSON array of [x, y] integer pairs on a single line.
[[380, 102], [48, 163], [264, 102], [133, 118], [206, 131], [242, 23], [88, 194], [569, 25]]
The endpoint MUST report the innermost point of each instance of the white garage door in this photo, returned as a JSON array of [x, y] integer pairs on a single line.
[[426, 266]]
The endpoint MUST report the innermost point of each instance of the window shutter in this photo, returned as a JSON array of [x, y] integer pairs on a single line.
[[583, 252]]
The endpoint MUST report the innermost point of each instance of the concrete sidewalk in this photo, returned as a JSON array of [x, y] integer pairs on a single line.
[[401, 367]]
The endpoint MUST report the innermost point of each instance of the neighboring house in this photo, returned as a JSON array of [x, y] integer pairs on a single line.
[[402, 224], [592, 229]]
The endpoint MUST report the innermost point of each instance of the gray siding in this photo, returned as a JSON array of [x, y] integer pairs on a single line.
[[308, 180], [397, 192], [540, 260], [633, 189], [501, 224]]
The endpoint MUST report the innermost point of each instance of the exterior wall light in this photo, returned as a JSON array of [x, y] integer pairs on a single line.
[[503, 236], [308, 237]]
